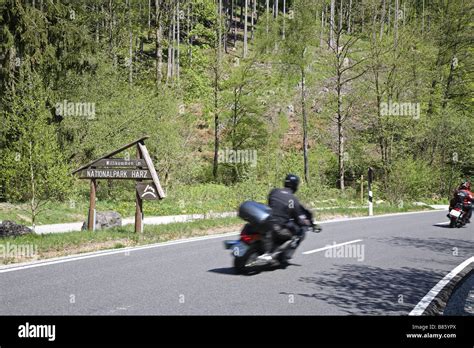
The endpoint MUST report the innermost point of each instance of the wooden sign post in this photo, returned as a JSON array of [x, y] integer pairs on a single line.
[[108, 167]]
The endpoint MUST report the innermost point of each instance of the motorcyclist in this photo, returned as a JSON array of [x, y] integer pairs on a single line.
[[463, 196], [287, 215]]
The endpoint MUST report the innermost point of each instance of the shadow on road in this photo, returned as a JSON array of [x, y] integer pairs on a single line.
[[439, 245], [231, 270], [224, 270], [442, 225], [366, 290]]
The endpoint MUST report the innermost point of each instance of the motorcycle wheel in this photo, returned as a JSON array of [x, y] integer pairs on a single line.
[[452, 223], [243, 264]]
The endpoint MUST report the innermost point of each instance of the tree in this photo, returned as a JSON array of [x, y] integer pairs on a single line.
[[34, 168], [298, 41]]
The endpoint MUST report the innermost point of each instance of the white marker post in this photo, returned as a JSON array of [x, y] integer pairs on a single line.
[[371, 204]]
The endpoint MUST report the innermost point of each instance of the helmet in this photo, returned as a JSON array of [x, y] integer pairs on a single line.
[[466, 185], [292, 181]]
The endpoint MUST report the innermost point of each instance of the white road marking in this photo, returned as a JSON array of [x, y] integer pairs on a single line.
[[331, 246], [33, 264], [425, 301]]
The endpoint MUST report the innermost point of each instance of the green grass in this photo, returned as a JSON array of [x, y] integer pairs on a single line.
[[60, 244], [183, 200]]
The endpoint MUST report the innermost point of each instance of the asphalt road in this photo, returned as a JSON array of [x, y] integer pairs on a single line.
[[400, 258]]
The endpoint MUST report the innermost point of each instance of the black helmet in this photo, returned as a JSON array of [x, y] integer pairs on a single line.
[[466, 185], [292, 181]]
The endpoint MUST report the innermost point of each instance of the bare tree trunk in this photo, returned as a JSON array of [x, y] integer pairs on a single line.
[[173, 43], [226, 12], [395, 22], [349, 24], [268, 13], [234, 22], [149, 15], [340, 15], [170, 52], [252, 23], [33, 187], [158, 47], [216, 117], [130, 47], [276, 8], [219, 29], [382, 21], [389, 17], [305, 126], [323, 22], [284, 19], [178, 38], [423, 18], [245, 30], [340, 133], [332, 24]]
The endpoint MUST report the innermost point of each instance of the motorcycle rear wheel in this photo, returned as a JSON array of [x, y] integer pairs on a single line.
[[243, 264]]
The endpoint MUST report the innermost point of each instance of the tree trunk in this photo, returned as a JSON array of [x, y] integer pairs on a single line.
[[349, 24], [158, 48], [252, 23], [323, 22], [423, 18], [340, 133], [268, 14], [305, 126], [149, 15], [284, 19], [332, 24], [130, 47], [33, 187], [178, 38], [340, 16], [395, 23], [245, 30], [382, 21], [216, 122]]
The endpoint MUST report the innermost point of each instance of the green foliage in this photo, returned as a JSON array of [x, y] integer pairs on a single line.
[[33, 166]]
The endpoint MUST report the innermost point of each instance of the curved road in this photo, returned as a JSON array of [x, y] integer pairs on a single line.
[[389, 266]]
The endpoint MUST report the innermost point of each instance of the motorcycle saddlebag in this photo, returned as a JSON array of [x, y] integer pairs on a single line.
[[254, 213]]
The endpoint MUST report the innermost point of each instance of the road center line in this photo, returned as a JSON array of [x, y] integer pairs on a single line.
[[425, 301], [331, 246]]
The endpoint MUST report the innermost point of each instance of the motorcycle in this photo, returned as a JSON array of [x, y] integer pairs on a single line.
[[249, 246], [457, 216]]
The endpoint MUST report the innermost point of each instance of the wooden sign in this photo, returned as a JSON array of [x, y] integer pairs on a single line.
[[120, 162], [153, 173], [147, 191], [107, 167], [133, 174]]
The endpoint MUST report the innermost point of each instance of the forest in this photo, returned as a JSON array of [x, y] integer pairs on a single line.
[[235, 94]]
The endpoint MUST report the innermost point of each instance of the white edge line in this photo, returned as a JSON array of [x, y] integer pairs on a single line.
[[331, 246], [33, 264], [425, 301]]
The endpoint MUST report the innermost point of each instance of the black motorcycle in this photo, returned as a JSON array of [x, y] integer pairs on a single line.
[[249, 246]]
